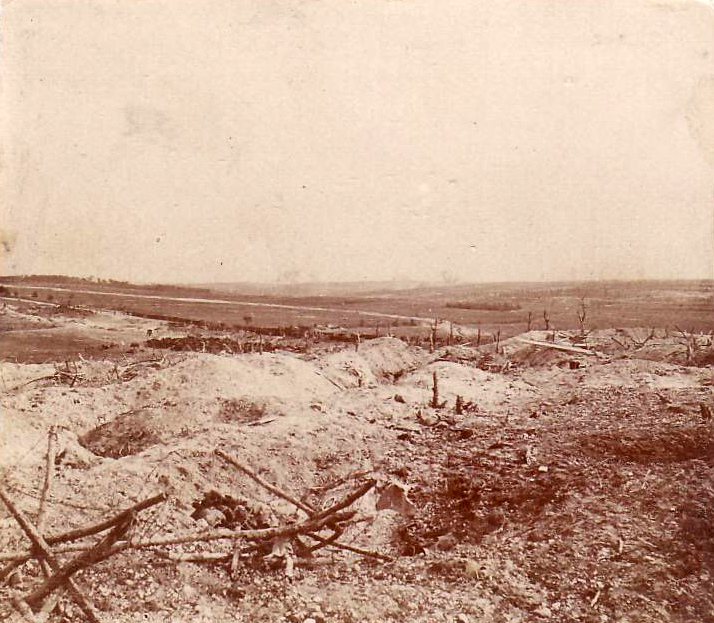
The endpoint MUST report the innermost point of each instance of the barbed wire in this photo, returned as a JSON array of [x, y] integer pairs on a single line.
[[20, 490], [11, 469]]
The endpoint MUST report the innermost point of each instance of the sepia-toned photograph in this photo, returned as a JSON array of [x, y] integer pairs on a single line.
[[357, 311]]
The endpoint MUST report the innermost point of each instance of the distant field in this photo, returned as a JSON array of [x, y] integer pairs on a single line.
[[687, 304]]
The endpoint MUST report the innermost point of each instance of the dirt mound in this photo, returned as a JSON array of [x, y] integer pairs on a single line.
[[540, 357], [490, 391], [378, 361], [559, 479], [280, 375]]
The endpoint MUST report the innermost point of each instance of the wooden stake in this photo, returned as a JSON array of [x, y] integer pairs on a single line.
[[46, 489], [49, 477], [435, 391]]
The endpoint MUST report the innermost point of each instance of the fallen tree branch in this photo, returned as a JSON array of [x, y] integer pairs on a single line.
[[205, 535], [266, 485], [46, 554], [63, 575], [339, 481], [196, 556], [335, 383], [328, 517], [350, 499], [6, 572], [81, 533], [321, 542], [262, 534], [350, 548], [24, 610], [18, 558], [25, 613]]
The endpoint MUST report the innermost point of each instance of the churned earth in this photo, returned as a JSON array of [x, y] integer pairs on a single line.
[[567, 486]]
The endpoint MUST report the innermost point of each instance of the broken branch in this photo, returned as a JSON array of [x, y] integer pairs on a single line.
[[80, 533], [94, 554], [266, 485], [41, 545]]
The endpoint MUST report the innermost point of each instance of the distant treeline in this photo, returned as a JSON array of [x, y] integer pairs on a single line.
[[101, 285], [501, 306], [61, 279]]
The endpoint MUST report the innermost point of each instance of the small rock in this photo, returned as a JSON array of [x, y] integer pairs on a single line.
[[544, 611], [446, 543], [462, 618], [189, 592], [212, 516], [472, 569], [427, 419]]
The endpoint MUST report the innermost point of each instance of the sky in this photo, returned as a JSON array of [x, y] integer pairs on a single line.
[[336, 140]]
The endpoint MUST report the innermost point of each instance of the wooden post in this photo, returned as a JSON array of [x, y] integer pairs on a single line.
[[582, 314], [435, 391], [546, 319], [49, 476], [530, 319], [47, 489]]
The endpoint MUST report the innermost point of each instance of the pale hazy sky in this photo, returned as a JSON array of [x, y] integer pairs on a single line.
[[199, 140]]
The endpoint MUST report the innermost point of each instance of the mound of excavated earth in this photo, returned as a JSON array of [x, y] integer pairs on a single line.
[[572, 487]]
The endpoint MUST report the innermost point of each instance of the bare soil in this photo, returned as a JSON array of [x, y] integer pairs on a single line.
[[574, 488]]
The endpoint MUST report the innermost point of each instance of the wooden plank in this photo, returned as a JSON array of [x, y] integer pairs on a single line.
[[563, 347]]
